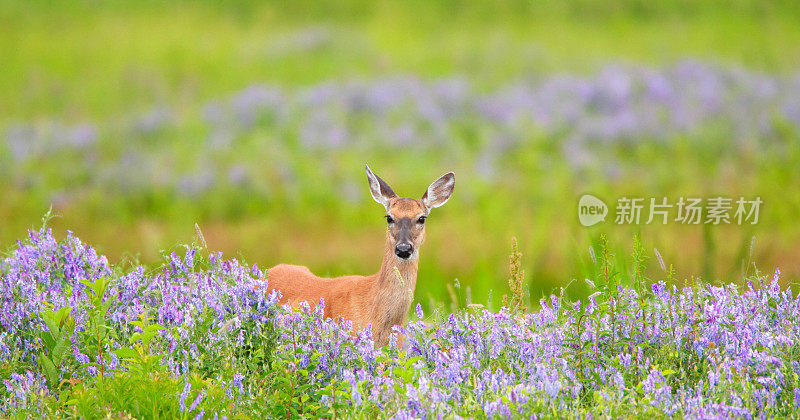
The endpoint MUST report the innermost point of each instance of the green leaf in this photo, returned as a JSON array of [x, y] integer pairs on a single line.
[[99, 319], [61, 347], [127, 352], [50, 370], [99, 288], [69, 325], [62, 314], [51, 323], [598, 399], [640, 387], [407, 376], [89, 285], [49, 341], [144, 336], [154, 327], [157, 357], [89, 364]]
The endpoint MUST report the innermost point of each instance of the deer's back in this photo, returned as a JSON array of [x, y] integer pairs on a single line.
[[346, 296]]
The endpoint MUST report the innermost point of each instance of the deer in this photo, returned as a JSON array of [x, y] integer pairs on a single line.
[[383, 299]]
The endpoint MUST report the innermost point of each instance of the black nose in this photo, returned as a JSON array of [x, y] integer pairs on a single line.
[[403, 250]]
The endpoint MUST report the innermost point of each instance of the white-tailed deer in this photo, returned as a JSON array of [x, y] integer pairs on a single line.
[[381, 299]]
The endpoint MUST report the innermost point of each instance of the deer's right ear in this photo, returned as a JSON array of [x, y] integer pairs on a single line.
[[440, 191], [380, 190]]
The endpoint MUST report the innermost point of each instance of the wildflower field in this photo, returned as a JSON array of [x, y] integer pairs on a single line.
[[242, 128], [255, 120], [197, 337]]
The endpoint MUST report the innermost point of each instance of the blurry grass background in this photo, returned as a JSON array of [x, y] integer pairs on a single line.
[[97, 66]]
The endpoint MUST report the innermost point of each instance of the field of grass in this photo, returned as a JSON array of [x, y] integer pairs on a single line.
[[242, 128], [135, 121], [80, 61], [197, 337]]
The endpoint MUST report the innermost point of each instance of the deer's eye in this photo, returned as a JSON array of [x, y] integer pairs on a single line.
[[389, 219], [421, 220]]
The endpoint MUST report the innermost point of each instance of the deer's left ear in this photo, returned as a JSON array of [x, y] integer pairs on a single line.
[[380, 190], [440, 191]]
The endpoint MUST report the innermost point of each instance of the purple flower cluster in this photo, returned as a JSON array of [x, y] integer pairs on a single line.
[[694, 351], [228, 142], [22, 388], [701, 351], [40, 273], [43, 273]]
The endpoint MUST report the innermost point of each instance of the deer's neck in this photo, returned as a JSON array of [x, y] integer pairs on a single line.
[[395, 284]]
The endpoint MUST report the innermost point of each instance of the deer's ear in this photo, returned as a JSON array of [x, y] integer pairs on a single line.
[[380, 190], [440, 191]]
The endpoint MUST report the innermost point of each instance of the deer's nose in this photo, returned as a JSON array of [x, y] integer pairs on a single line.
[[403, 250]]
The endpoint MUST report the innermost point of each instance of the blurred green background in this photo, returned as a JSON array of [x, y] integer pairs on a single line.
[[136, 120]]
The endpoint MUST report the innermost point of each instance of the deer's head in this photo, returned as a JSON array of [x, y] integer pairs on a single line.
[[405, 217]]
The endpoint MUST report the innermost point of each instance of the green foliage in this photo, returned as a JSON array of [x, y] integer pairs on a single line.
[[139, 358], [132, 393], [97, 329], [285, 378], [60, 326], [59, 62], [607, 343], [153, 63]]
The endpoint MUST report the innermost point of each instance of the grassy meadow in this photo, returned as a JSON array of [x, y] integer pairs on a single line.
[[178, 150], [135, 121]]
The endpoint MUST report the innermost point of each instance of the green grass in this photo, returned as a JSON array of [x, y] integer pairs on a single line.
[[84, 61], [195, 336]]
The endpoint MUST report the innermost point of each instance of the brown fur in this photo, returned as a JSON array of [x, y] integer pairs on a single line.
[[381, 299]]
